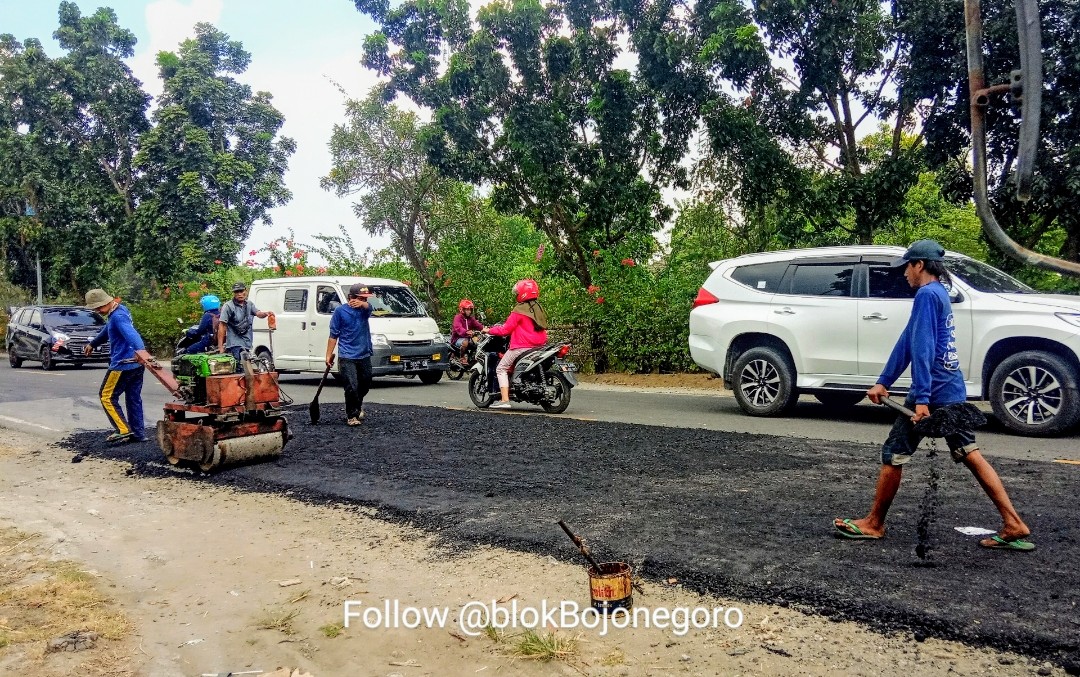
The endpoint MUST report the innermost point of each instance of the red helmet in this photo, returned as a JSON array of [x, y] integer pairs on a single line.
[[526, 290], [463, 304]]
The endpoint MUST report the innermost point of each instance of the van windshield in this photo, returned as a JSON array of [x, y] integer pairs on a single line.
[[392, 301]]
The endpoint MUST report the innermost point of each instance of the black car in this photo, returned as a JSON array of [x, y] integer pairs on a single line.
[[52, 335]]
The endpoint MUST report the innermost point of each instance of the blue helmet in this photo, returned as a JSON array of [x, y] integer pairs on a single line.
[[210, 302]]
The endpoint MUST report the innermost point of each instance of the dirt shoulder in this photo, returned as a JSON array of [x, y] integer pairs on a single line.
[[199, 572], [672, 383]]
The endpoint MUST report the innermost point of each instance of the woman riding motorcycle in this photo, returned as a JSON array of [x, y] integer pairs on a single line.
[[527, 328], [207, 329]]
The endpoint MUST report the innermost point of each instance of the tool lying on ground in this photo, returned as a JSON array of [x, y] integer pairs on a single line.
[[944, 420], [221, 417], [313, 408]]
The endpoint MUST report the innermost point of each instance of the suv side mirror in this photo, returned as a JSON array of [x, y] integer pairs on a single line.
[[955, 296]]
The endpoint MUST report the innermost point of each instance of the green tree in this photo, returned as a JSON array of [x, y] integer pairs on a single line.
[[529, 98], [68, 130], [377, 155], [1050, 221], [784, 88], [213, 164]]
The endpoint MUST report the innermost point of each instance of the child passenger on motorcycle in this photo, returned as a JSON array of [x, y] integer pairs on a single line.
[[527, 328], [206, 332], [465, 327]]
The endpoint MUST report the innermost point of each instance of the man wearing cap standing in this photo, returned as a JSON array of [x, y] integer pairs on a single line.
[[236, 333], [124, 374], [351, 335], [928, 344]]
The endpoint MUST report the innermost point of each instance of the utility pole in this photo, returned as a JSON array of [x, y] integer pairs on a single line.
[[39, 298]]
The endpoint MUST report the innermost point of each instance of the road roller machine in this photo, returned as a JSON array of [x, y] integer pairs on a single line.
[[220, 417]]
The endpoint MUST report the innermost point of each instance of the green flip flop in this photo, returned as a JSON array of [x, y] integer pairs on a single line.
[[853, 532], [1000, 543]]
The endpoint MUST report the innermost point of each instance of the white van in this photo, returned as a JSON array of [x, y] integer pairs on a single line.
[[405, 338]]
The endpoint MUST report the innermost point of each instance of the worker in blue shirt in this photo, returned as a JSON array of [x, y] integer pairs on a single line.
[[351, 336], [928, 345], [124, 375]]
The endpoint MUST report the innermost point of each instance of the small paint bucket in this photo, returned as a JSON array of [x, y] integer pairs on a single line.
[[611, 588]]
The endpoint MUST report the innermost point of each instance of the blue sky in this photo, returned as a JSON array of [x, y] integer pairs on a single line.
[[296, 48]]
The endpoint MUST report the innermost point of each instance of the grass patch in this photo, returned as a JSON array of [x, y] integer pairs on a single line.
[[42, 598], [544, 646], [332, 630], [616, 657], [493, 633], [278, 619]]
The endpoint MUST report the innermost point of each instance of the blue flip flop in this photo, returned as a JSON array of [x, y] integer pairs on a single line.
[[853, 532], [999, 543]]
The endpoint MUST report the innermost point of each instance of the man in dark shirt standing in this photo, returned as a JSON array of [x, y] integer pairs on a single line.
[[236, 333], [928, 344], [350, 334]]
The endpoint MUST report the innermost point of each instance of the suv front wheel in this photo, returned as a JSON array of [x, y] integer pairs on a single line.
[[1035, 393], [764, 382]]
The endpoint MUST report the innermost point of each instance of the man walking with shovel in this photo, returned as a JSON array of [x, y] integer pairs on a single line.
[[928, 344], [351, 335]]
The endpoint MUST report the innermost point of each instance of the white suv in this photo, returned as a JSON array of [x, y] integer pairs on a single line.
[[823, 321]]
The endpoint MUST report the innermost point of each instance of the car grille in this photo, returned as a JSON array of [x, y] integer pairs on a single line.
[[412, 344], [77, 343]]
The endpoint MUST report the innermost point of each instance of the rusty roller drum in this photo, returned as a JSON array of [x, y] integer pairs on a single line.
[[213, 446]]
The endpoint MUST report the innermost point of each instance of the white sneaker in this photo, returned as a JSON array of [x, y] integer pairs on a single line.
[[500, 405]]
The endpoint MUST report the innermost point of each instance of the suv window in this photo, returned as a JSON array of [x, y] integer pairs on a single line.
[[23, 316], [828, 279], [35, 319], [984, 278], [887, 282], [761, 276]]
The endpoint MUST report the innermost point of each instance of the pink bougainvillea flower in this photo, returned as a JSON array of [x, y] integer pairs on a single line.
[[253, 252], [407, 283], [596, 253], [193, 294], [277, 269], [540, 252], [322, 269], [629, 262], [217, 262], [593, 289], [446, 282], [288, 273], [599, 299], [439, 274], [299, 268], [298, 254]]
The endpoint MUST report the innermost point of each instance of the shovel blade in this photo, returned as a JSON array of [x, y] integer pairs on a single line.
[[313, 412]]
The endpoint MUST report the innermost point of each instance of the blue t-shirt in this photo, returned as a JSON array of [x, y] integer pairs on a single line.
[[123, 339], [928, 344], [350, 327]]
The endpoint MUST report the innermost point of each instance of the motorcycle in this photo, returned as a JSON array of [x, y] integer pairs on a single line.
[[188, 338], [541, 376]]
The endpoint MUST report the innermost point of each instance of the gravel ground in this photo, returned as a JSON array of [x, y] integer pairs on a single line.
[[736, 515]]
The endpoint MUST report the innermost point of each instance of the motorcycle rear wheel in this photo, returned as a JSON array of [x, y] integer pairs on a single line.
[[562, 401], [482, 399], [454, 370]]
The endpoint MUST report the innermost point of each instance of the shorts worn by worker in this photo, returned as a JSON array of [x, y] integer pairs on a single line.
[[902, 442]]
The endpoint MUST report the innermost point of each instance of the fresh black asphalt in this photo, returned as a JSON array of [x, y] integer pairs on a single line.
[[742, 516]]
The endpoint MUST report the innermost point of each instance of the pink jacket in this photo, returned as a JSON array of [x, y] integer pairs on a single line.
[[522, 331]]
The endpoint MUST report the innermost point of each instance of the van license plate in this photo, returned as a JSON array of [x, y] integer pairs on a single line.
[[415, 365]]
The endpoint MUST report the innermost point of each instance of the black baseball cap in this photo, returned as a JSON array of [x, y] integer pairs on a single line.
[[239, 286], [359, 291], [923, 250]]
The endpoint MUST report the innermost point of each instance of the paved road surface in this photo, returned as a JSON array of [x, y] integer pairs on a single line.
[[58, 402]]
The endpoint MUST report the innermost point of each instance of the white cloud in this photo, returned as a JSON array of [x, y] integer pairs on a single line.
[[168, 23]]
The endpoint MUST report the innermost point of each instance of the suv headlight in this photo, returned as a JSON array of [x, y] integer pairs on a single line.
[[1071, 318], [439, 338], [379, 340], [62, 338]]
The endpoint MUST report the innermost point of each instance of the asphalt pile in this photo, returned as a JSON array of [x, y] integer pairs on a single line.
[[738, 515]]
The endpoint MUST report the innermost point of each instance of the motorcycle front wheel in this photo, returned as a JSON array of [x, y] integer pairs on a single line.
[[562, 395], [478, 391]]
